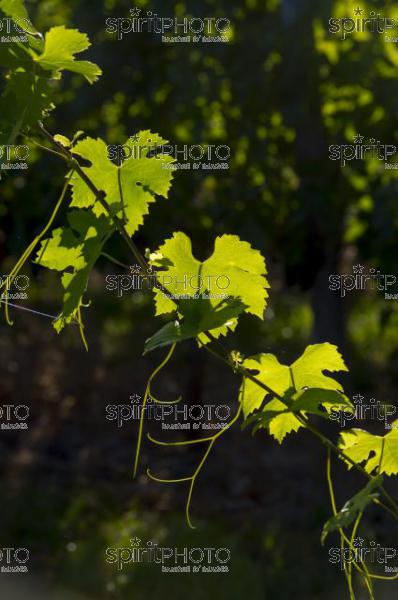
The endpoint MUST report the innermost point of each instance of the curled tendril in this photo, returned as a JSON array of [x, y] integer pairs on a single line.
[[164, 402], [144, 403], [159, 480], [30, 249], [192, 478]]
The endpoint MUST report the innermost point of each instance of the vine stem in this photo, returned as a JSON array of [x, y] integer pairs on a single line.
[[44, 147], [114, 260], [224, 356]]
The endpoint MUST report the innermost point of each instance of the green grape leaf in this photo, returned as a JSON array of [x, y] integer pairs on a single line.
[[304, 385], [198, 316], [307, 371], [35, 63], [60, 47], [14, 9], [26, 100], [353, 508], [74, 250], [61, 251], [26, 96], [377, 452], [283, 423], [279, 417], [234, 270], [270, 372], [312, 399], [272, 409], [141, 178]]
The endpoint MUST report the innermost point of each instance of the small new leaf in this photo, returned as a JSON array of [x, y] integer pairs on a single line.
[[63, 140], [60, 47], [17, 11]]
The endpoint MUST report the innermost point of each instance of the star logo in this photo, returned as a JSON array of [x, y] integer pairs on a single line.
[[358, 269], [135, 542], [135, 12], [358, 542], [358, 139], [135, 398], [134, 138], [358, 398], [358, 11], [135, 269]]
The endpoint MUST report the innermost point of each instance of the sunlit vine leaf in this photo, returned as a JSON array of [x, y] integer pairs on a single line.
[[26, 100], [28, 92], [282, 424], [314, 401], [74, 250], [292, 382], [60, 47], [142, 178], [232, 259], [373, 450], [26, 96], [14, 8], [234, 270]]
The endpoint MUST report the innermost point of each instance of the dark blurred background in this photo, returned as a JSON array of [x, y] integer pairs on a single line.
[[279, 93]]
